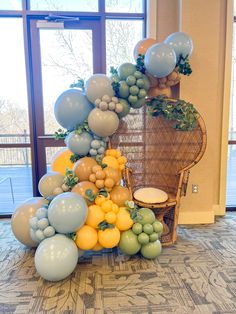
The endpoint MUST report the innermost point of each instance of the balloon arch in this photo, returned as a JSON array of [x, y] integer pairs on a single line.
[[83, 204]]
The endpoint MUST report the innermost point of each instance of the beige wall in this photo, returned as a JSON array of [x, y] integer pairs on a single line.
[[205, 22]]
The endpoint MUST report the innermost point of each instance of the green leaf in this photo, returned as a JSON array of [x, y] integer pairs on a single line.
[[105, 225]]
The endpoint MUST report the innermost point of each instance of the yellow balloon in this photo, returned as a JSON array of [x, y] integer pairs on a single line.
[[111, 161], [61, 161]]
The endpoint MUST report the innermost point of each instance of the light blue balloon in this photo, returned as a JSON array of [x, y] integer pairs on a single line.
[[181, 43], [79, 143], [160, 60], [67, 212], [56, 257], [72, 108]]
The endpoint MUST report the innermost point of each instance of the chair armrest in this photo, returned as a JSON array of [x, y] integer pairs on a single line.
[[185, 183], [127, 172]]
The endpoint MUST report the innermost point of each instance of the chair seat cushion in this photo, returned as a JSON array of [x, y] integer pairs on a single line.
[[150, 195]]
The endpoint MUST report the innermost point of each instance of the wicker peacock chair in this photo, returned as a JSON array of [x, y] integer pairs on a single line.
[[159, 156]]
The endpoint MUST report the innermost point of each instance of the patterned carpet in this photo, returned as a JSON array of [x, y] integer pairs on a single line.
[[198, 275]]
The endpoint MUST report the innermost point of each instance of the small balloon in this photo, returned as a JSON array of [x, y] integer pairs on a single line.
[[83, 168], [49, 182], [160, 60], [126, 108], [56, 257], [97, 86], [181, 43], [142, 46], [61, 161], [20, 221], [72, 108], [79, 143], [103, 123], [67, 212]]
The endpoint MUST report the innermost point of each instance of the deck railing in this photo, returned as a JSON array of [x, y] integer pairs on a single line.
[[20, 156]]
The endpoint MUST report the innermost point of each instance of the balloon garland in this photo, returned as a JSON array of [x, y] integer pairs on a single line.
[[84, 205]]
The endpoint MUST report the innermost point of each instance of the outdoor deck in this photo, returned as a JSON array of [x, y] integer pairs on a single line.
[[21, 177]]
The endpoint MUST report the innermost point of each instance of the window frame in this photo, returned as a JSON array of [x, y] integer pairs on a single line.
[[27, 16]]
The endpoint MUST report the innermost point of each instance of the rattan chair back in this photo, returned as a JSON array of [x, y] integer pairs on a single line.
[[156, 152]]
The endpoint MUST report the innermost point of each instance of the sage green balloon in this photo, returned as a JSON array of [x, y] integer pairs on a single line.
[[125, 70], [146, 83], [129, 243], [123, 89], [49, 182], [139, 103], [151, 250], [126, 108], [145, 216], [103, 123]]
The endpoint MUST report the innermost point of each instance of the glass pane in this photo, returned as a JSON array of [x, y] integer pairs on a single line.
[[65, 56], [62, 5], [124, 6], [121, 38], [15, 170], [231, 177], [11, 5], [50, 153], [14, 121]]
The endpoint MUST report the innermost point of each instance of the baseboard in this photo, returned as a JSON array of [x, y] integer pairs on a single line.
[[196, 217]]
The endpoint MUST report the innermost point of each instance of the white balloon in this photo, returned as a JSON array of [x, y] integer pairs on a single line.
[[97, 86], [103, 123]]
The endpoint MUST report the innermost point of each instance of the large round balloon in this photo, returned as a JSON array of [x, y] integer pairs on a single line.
[[129, 243], [151, 250], [61, 161], [81, 188], [160, 60], [72, 108], [20, 219], [125, 70], [83, 168], [103, 123], [142, 46], [79, 143], [181, 43], [56, 257], [120, 194], [67, 212], [97, 86], [49, 182]]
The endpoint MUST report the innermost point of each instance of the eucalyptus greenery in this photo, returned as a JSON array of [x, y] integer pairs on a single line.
[[61, 134], [140, 63], [184, 65], [70, 179], [183, 113], [79, 84]]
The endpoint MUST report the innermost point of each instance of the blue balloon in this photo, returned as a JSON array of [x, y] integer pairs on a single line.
[[72, 108], [181, 43], [67, 212], [56, 257], [160, 60], [79, 143]]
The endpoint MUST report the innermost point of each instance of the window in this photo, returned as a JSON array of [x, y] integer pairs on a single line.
[[50, 44]]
